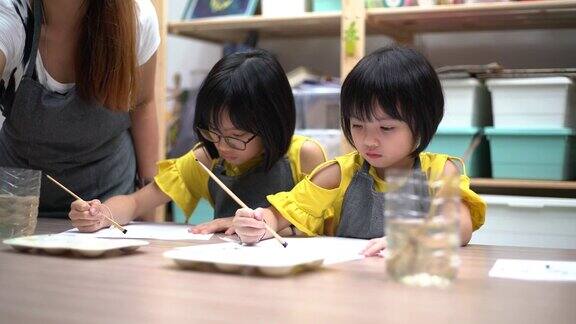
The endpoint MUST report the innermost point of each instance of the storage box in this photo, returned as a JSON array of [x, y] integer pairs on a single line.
[[467, 103], [455, 142], [203, 213], [284, 7], [327, 5], [317, 107], [533, 102], [547, 154], [329, 138], [528, 221]]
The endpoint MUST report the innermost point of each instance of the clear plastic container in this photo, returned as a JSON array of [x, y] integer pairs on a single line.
[[19, 199], [422, 229], [317, 106]]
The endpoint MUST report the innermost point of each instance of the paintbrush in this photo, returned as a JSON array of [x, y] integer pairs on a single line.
[[240, 202], [118, 226]]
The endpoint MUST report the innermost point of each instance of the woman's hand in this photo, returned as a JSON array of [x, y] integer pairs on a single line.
[[249, 224], [374, 247], [218, 225], [88, 216]]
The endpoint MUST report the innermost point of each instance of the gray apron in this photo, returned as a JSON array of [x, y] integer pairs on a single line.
[[84, 145], [251, 187], [363, 207]]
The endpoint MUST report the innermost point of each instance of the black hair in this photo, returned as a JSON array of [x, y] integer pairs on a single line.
[[253, 88], [403, 83]]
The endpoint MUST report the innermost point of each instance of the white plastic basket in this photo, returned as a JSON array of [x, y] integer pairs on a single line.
[[467, 103], [528, 222], [533, 102]]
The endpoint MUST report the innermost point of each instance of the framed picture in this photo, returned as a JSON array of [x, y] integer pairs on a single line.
[[215, 8]]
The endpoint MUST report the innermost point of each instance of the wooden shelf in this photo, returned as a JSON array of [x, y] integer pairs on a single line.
[[531, 184], [473, 17], [394, 22], [234, 29], [525, 187]]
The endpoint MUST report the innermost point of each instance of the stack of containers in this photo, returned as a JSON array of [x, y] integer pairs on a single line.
[[533, 135], [318, 114], [467, 109]]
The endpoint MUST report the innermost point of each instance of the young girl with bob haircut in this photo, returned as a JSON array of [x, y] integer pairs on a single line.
[[245, 119], [391, 105]]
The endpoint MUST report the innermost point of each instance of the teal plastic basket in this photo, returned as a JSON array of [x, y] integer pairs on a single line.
[[544, 154], [455, 141], [326, 5], [203, 213]]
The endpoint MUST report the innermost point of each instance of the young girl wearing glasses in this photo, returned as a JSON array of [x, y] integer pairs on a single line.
[[245, 119]]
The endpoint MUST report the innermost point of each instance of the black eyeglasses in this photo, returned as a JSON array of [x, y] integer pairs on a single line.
[[233, 142]]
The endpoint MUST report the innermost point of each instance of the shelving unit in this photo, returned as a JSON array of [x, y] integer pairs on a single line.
[[389, 21], [402, 24]]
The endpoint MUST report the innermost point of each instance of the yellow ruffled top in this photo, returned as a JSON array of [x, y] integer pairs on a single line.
[[186, 182], [316, 211]]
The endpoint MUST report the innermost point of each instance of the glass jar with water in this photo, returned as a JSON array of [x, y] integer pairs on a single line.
[[422, 228], [19, 199]]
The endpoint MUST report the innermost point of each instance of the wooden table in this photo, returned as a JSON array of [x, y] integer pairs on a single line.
[[146, 288]]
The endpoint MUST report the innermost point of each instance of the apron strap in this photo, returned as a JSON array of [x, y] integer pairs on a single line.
[[38, 17], [365, 167]]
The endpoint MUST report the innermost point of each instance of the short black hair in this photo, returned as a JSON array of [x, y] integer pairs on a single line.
[[403, 83], [253, 88]]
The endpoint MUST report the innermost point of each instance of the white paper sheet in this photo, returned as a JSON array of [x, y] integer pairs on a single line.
[[331, 249], [153, 231], [534, 270]]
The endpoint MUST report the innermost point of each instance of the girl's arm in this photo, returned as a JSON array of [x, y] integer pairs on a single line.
[[249, 223], [144, 128], [89, 216]]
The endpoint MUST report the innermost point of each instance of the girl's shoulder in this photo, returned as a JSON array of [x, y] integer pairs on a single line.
[[436, 164], [306, 152], [300, 141], [201, 154], [337, 172]]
